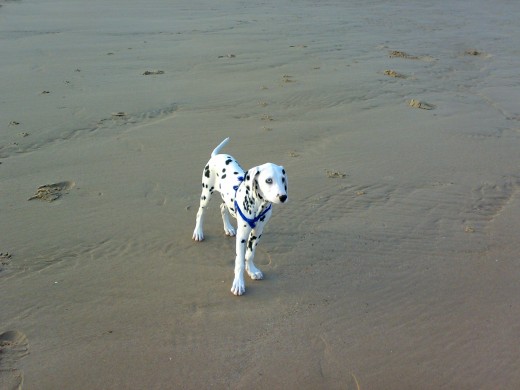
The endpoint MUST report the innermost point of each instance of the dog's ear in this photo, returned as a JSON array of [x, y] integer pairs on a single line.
[[284, 178], [249, 179], [251, 176]]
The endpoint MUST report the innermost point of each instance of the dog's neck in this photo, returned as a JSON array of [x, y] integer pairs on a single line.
[[252, 210], [253, 202], [260, 202], [260, 206]]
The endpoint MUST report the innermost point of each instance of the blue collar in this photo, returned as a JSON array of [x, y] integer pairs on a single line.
[[250, 222]]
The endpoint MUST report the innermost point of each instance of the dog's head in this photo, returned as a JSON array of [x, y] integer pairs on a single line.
[[269, 181]]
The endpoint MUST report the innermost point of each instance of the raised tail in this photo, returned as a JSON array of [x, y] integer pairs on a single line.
[[220, 146]]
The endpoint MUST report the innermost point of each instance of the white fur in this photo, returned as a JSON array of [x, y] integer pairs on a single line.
[[261, 186]]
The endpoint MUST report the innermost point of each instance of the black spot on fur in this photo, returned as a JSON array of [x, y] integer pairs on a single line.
[[283, 171], [223, 170], [206, 173], [283, 179], [224, 176], [235, 173], [242, 241], [251, 242], [228, 161]]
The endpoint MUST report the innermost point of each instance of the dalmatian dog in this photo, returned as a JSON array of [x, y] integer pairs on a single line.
[[248, 197]]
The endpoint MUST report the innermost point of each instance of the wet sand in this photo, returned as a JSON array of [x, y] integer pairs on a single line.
[[394, 265]]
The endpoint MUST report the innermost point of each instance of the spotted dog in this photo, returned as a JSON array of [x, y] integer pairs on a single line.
[[247, 196]]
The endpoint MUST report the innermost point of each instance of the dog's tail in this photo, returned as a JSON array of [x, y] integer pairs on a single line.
[[220, 146]]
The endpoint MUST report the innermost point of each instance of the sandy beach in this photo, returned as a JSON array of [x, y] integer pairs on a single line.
[[394, 265]]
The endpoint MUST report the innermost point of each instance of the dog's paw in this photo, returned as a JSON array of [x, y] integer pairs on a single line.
[[254, 273], [198, 235], [230, 231], [238, 287]]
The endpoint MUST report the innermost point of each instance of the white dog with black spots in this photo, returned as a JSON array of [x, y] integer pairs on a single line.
[[248, 197]]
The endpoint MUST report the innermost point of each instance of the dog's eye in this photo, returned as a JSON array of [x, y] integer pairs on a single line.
[[269, 181]]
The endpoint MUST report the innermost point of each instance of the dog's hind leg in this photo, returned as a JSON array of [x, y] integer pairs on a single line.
[[207, 190], [228, 228]]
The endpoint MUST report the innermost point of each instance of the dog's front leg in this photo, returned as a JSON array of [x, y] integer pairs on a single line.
[[252, 242], [239, 287]]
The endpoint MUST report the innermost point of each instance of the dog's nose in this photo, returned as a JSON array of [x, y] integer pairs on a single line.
[[283, 198]]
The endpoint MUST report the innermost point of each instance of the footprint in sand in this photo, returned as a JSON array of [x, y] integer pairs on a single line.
[[402, 54], [287, 79], [5, 260], [393, 73], [331, 174], [153, 72], [420, 104], [475, 53], [155, 195], [13, 347], [51, 192]]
